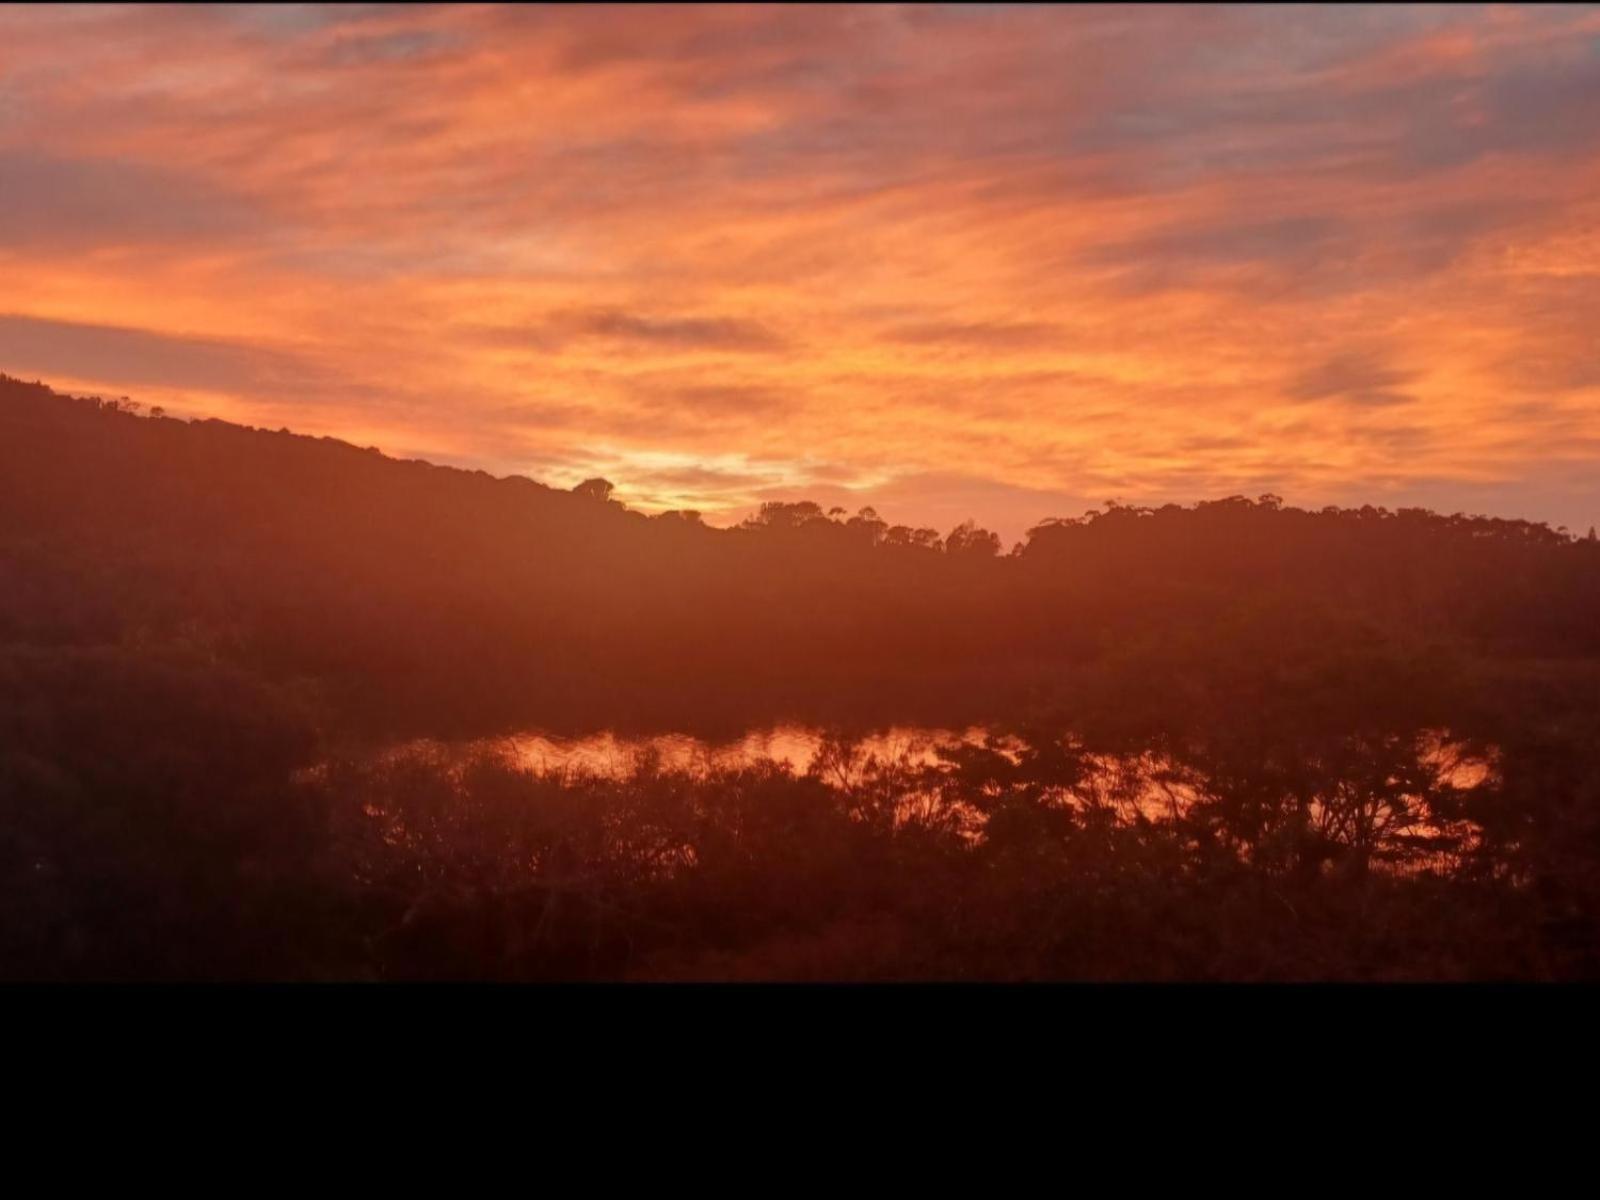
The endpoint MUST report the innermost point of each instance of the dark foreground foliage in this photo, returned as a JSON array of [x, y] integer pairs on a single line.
[[1236, 741]]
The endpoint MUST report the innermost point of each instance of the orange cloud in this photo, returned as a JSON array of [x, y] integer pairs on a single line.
[[999, 262]]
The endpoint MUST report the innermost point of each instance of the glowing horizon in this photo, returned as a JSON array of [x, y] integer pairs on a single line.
[[955, 261]]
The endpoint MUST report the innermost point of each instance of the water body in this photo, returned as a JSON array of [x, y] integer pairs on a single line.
[[609, 754], [1129, 787]]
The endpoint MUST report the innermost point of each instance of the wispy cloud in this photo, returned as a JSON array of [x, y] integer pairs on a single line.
[[949, 257], [140, 357]]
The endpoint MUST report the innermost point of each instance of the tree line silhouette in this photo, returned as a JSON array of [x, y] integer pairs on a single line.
[[1229, 740]]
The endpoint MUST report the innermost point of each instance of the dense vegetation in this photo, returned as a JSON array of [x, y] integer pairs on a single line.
[[1226, 738]]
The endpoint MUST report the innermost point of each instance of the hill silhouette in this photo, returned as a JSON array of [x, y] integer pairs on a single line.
[[1229, 740], [435, 596]]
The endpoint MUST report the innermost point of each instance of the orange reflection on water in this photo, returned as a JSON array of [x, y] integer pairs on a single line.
[[612, 756]]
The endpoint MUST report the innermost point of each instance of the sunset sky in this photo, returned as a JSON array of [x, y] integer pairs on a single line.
[[1001, 262]]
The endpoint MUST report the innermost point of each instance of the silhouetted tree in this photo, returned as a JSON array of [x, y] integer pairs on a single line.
[[246, 678], [968, 540]]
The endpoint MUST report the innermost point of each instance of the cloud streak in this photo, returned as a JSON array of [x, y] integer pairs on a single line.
[[138, 357], [923, 256]]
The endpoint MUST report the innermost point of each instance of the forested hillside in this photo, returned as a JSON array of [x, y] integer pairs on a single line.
[[1230, 741]]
